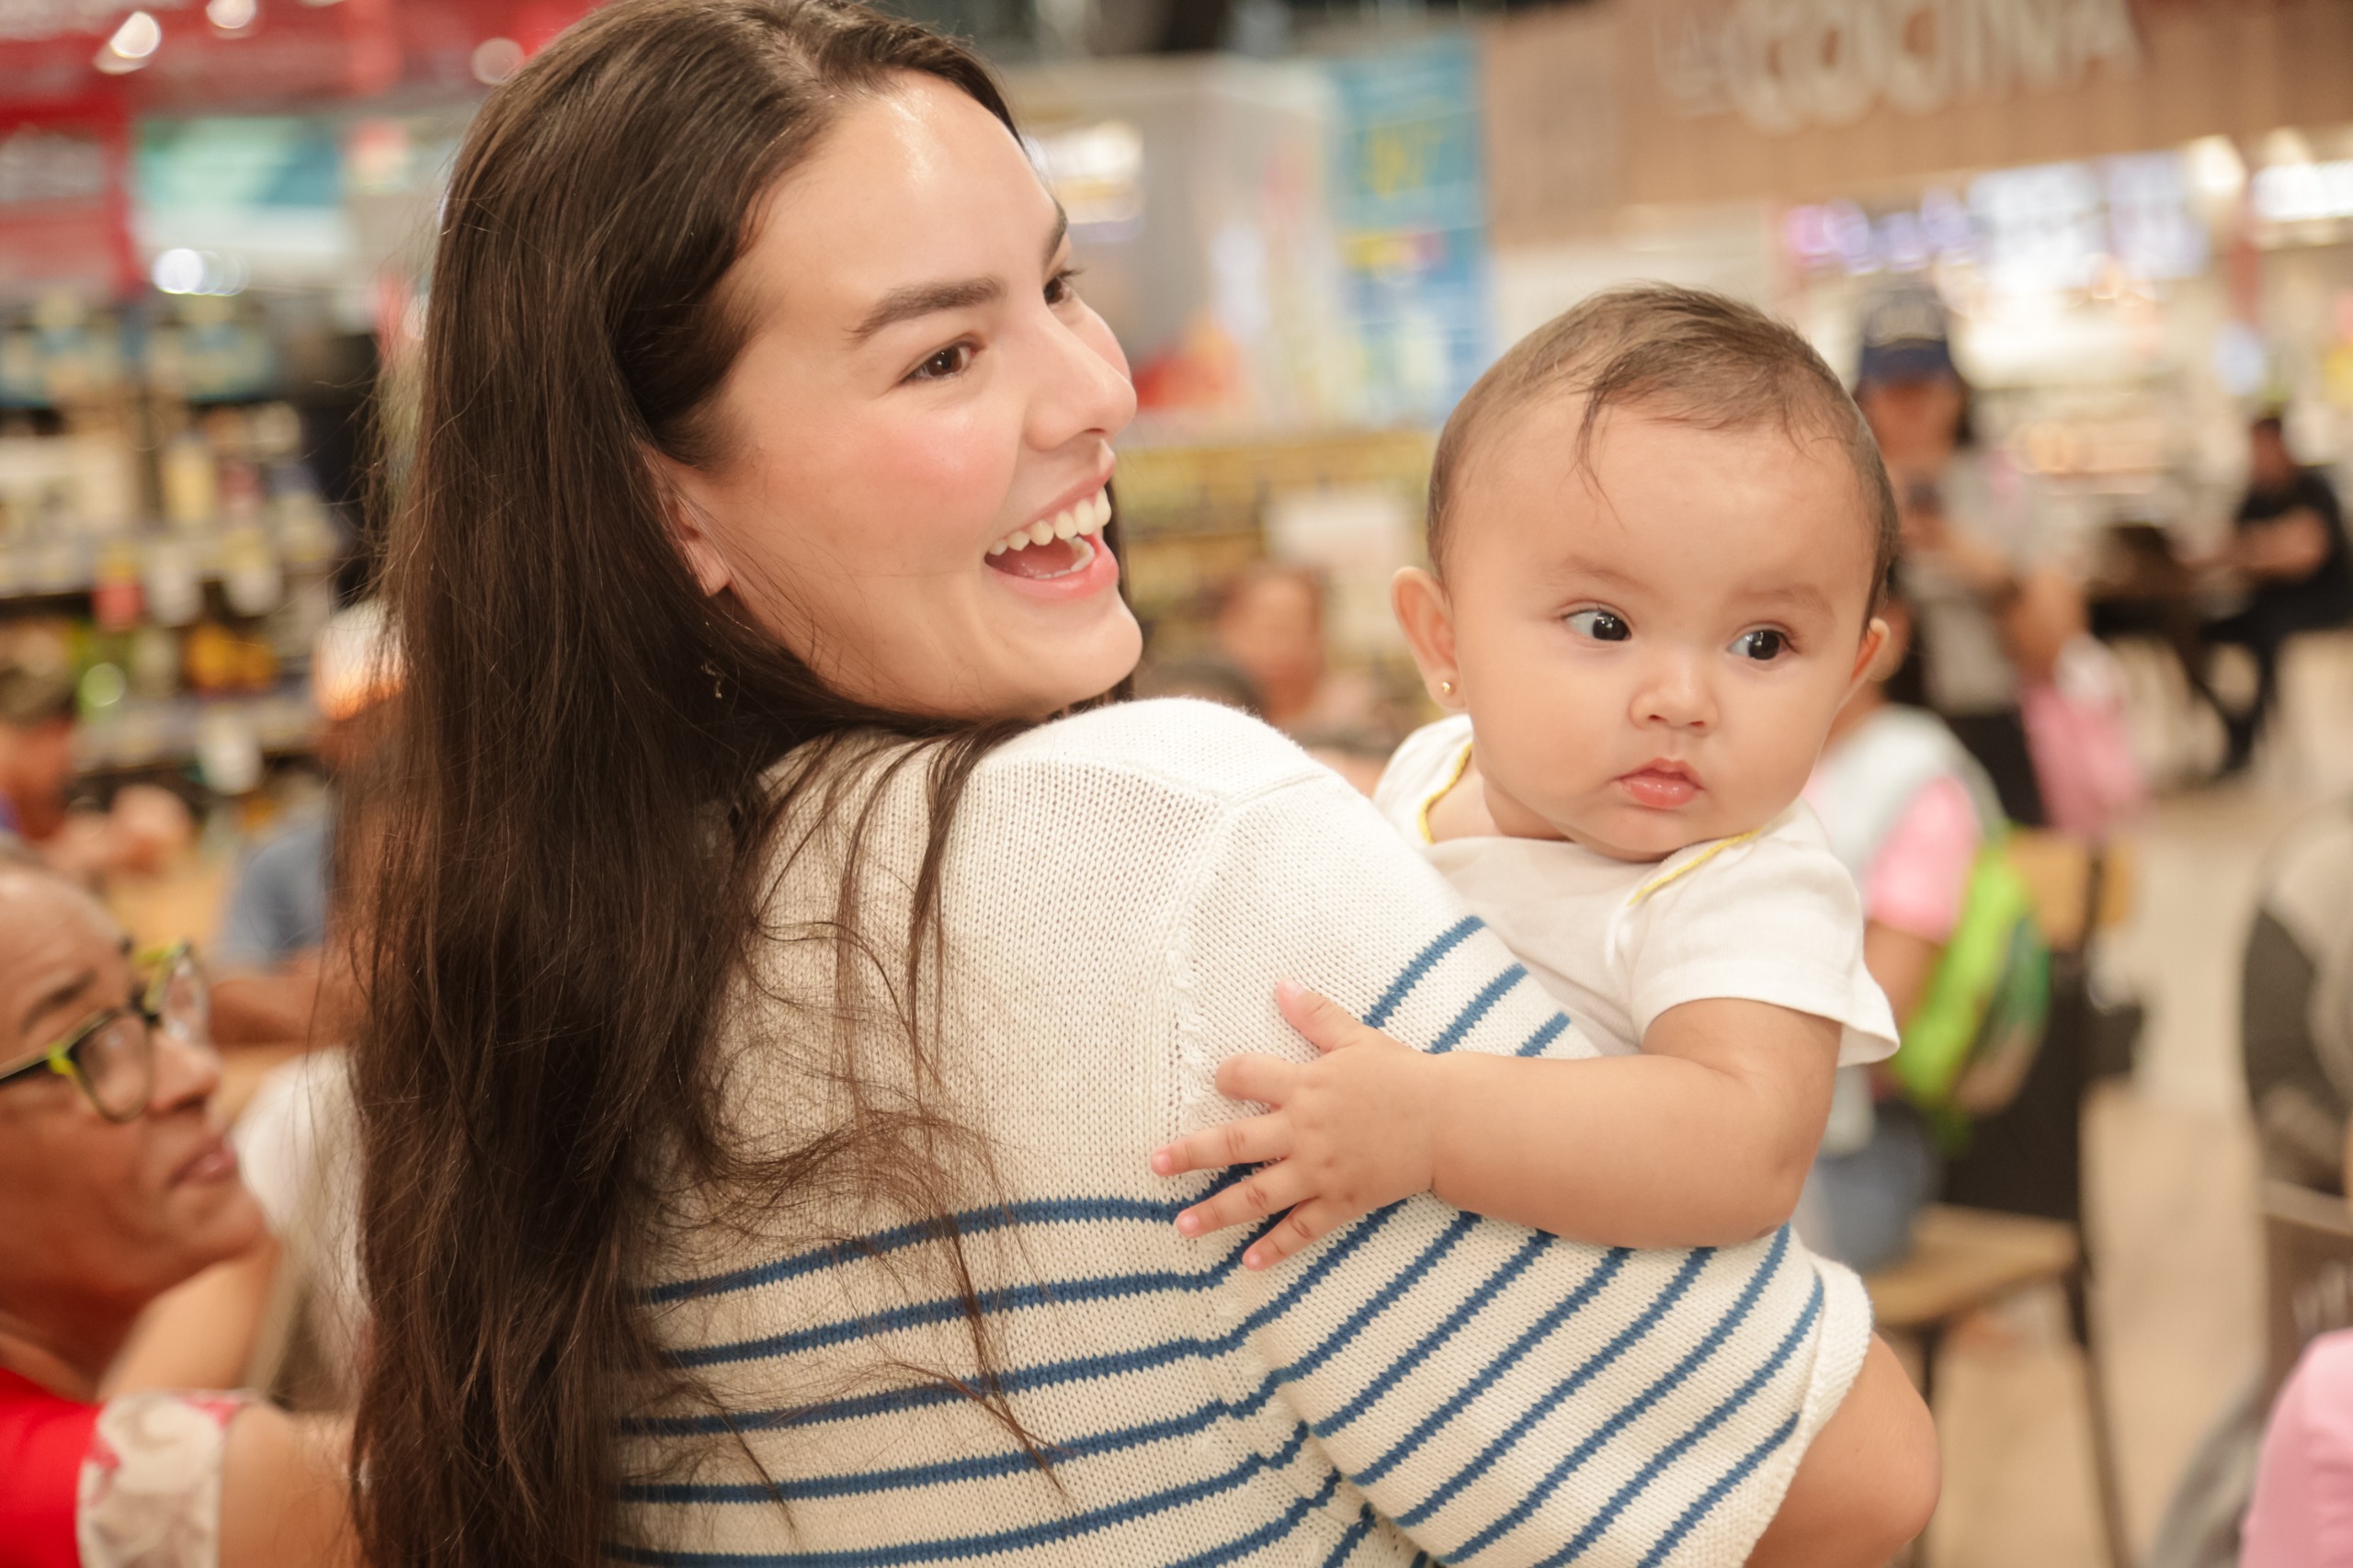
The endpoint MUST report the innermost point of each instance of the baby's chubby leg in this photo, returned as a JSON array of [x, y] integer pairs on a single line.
[[1867, 1484]]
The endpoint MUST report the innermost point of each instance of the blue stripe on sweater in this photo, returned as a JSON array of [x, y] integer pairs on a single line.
[[1453, 936], [956, 1549], [1265, 1535], [969, 1223], [1022, 1298], [1475, 1009], [1591, 1367], [1115, 1441], [1350, 1536], [1719, 1488], [1625, 1416], [1657, 1464], [1448, 1326], [1546, 1033], [1534, 1334], [1118, 1287], [948, 1472]]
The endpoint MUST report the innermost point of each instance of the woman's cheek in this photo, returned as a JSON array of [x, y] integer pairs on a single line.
[[953, 469]]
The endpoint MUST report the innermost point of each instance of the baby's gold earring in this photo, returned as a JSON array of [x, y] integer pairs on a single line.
[[1446, 690]]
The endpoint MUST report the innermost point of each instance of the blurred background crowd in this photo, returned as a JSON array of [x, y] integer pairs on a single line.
[[2088, 264]]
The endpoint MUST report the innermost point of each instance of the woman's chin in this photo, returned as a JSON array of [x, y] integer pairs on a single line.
[[218, 1223]]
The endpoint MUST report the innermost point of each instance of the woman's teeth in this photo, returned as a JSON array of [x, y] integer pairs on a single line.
[[1087, 517]]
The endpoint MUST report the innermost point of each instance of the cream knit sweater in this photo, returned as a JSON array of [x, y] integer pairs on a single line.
[[1122, 892]]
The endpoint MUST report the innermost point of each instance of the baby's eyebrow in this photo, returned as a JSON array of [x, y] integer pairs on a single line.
[[1793, 596]]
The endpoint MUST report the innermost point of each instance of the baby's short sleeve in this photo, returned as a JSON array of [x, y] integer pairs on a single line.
[[1775, 918]]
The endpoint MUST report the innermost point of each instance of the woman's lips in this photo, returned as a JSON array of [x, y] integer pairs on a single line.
[[1062, 569], [1662, 787], [216, 1161]]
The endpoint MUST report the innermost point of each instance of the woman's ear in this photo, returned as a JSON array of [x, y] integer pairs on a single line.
[[1427, 616], [689, 526]]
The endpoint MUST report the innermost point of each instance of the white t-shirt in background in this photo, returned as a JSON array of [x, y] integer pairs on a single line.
[[1773, 917]]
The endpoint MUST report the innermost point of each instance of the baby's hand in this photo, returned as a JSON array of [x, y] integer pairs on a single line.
[[1348, 1133]]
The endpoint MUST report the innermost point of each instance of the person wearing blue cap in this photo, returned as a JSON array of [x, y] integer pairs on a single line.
[[1980, 545]]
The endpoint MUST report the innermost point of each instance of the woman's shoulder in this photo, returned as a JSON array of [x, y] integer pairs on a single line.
[[1176, 744]]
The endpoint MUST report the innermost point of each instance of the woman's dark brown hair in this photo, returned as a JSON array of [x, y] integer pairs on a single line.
[[566, 859]]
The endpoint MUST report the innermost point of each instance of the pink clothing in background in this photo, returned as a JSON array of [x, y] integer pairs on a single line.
[[1920, 875], [2302, 1512]]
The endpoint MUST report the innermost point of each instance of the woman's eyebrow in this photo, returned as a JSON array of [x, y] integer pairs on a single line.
[[960, 294], [922, 299], [54, 999]]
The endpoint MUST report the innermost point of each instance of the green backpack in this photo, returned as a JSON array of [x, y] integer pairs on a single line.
[[1973, 1036]]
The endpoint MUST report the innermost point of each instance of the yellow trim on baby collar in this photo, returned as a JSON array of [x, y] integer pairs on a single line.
[[1453, 777], [1693, 864]]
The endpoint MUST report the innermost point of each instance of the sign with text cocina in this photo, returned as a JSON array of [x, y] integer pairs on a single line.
[[1786, 64]]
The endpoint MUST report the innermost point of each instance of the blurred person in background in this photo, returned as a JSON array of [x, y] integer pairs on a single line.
[[2296, 1049], [1993, 608], [272, 947], [145, 826], [1270, 629], [2288, 542], [1906, 809], [115, 1185], [2301, 1511]]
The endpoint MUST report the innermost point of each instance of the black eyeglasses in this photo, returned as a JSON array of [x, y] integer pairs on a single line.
[[111, 1054]]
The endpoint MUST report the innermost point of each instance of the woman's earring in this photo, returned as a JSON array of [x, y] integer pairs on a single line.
[[1446, 690]]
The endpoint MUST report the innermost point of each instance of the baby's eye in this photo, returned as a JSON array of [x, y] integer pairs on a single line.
[[952, 360], [1763, 644], [1600, 625]]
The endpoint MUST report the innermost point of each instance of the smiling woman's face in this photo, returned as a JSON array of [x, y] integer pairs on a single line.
[[915, 441], [96, 1215]]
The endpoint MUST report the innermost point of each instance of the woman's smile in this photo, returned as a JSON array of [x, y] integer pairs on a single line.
[[1061, 555]]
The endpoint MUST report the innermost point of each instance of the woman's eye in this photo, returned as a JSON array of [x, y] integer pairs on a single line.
[[1763, 645], [1063, 287], [952, 360], [1600, 625]]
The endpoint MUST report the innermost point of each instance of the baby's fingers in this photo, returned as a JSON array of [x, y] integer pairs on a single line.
[[1268, 1190], [1323, 1022], [1267, 1079], [1251, 1142], [1303, 1226]]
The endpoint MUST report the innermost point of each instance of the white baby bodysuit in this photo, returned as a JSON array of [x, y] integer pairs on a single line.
[[1768, 917]]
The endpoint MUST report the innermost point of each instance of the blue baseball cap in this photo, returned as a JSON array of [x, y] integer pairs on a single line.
[[1905, 337]]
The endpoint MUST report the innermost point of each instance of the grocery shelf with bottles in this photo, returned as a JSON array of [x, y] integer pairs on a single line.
[[162, 538]]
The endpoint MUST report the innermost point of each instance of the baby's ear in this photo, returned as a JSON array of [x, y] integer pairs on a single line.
[[1875, 637], [1427, 616]]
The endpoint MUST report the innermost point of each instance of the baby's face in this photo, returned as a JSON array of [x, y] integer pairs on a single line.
[[1650, 647]]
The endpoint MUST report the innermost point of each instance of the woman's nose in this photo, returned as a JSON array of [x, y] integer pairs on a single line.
[[186, 1073], [1082, 387]]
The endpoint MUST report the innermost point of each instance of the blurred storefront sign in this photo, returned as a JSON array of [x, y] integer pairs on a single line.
[[1650, 102], [63, 203], [242, 55], [1783, 64]]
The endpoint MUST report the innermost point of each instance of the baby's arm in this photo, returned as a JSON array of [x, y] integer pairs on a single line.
[[1703, 1140]]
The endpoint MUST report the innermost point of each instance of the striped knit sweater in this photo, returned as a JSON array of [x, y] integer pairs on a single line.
[[1122, 892]]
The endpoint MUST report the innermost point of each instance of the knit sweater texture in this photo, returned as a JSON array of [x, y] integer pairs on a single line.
[[1120, 894]]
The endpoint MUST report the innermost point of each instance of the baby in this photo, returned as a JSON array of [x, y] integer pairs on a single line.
[[1657, 530]]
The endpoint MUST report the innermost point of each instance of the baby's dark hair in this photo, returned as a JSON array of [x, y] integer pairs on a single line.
[[1679, 354]]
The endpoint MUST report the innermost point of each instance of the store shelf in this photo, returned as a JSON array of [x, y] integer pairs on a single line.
[[32, 568], [137, 734]]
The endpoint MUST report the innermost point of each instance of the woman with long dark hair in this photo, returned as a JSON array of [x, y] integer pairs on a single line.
[[785, 963]]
